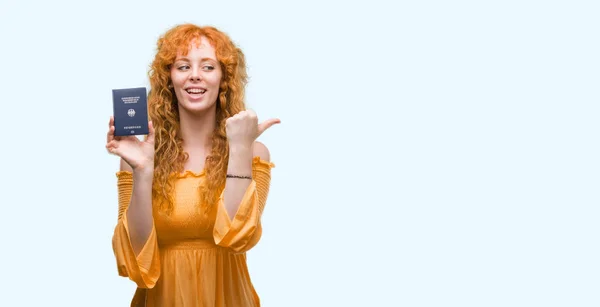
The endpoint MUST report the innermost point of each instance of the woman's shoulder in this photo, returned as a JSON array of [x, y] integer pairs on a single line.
[[261, 155], [260, 150]]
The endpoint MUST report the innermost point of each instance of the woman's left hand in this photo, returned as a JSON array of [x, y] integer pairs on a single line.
[[243, 128]]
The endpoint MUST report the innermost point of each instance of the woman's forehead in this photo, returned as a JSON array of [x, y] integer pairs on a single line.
[[201, 46]]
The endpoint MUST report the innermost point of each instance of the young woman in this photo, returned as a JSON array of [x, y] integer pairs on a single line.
[[192, 193]]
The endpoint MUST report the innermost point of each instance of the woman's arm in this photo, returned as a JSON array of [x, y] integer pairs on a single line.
[[140, 261], [139, 211], [242, 231], [240, 164]]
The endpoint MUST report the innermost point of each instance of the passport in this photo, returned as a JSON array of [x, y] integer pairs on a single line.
[[130, 111]]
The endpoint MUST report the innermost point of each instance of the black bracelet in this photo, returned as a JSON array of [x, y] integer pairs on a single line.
[[236, 176]]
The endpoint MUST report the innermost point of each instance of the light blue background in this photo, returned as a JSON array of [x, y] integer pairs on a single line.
[[431, 153]]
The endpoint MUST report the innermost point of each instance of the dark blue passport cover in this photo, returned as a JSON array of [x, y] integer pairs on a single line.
[[130, 111]]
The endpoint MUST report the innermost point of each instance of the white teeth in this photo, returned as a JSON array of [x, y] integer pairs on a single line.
[[195, 91]]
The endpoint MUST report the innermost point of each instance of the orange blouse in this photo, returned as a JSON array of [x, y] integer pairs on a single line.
[[190, 260]]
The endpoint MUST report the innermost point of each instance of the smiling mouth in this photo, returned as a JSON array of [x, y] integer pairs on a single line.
[[195, 91]]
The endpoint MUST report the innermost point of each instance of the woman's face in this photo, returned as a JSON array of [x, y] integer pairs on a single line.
[[196, 77]]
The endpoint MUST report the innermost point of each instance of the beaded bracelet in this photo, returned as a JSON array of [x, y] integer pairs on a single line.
[[236, 176]]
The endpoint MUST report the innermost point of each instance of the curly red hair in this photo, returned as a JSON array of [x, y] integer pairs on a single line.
[[169, 156]]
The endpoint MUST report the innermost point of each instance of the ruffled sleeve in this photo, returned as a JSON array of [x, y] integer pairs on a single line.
[[143, 269], [244, 230]]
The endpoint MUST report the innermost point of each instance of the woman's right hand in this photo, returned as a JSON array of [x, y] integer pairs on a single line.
[[138, 154]]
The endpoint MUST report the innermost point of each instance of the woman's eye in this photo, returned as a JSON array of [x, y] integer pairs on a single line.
[[183, 67], [209, 67]]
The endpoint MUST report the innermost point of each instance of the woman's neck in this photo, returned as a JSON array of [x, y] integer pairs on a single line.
[[197, 130]]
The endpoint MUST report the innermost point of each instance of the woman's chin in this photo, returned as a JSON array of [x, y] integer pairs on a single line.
[[196, 107]]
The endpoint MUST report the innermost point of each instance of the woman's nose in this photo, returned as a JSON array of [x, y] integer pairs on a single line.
[[195, 75]]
